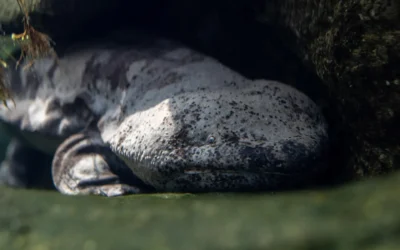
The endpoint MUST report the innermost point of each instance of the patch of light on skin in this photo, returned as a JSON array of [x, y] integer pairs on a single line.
[[123, 96], [37, 113], [108, 132], [140, 129], [87, 168], [64, 123], [111, 124]]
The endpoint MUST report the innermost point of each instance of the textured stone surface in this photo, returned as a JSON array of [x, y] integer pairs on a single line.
[[361, 216], [353, 47]]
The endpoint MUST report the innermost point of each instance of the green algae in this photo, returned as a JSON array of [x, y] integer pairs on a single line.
[[363, 215]]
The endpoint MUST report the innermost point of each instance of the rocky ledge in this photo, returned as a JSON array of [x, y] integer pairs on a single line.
[[362, 215]]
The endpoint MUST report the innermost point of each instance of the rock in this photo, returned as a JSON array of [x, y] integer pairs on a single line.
[[363, 215], [353, 47]]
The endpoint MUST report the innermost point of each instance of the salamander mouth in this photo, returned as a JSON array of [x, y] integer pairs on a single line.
[[231, 172], [223, 167]]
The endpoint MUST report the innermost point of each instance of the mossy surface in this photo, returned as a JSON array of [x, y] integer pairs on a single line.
[[363, 215], [354, 48]]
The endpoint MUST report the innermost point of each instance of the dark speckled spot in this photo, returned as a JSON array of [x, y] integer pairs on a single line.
[[233, 103], [229, 115], [231, 137]]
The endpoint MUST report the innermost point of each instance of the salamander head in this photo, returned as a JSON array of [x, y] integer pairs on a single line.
[[265, 136]]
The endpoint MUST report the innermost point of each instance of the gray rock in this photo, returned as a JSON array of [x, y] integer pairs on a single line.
[[180, 121]]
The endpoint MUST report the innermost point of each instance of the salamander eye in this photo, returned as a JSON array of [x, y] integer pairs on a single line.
[[211, 139]]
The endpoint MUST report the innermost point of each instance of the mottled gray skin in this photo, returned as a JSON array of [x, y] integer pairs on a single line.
[[180, 121]]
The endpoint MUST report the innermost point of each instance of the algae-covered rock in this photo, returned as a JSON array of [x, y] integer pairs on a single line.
[[354, 48], [363, 216]]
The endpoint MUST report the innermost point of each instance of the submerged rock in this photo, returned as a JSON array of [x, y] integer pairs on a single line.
[[363, 215]]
